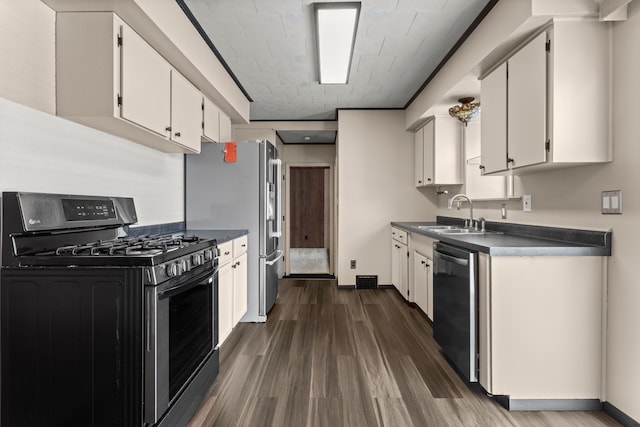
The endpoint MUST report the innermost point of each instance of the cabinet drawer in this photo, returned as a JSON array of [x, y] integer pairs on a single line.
[[400, 235], [226, 253], [239, 246]]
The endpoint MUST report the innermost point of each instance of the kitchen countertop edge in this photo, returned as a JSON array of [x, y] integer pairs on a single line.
[[507, 244], [220, 235]]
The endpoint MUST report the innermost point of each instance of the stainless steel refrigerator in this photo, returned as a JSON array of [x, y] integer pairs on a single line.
[[245, 194]]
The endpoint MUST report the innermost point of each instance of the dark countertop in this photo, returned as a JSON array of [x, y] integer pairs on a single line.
[[221, 236], [521, 240]]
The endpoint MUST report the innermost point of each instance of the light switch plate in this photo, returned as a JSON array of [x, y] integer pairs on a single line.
[[526, 202], [611, 202]]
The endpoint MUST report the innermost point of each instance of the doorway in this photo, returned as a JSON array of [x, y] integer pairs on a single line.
[[309, 234]]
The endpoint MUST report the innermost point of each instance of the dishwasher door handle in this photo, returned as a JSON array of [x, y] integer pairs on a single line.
[[459, 261]]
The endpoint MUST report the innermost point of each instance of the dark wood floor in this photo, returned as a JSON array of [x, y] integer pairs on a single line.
[[329, 357]]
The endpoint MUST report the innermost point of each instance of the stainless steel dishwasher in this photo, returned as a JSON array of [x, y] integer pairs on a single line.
[[455, 315]]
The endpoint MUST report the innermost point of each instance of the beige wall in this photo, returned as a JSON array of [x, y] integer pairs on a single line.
[[375, 187], [27, 54], [571, 198], [43, 153], [309, 153]]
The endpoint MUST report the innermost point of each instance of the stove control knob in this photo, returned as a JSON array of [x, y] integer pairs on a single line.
[[196, 260], [184, 266], [208, 255], [172, 270]]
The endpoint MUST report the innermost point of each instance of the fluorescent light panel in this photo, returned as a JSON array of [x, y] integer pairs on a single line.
[[336, 25]]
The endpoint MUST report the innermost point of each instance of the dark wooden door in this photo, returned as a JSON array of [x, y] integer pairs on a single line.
[[307, 198]]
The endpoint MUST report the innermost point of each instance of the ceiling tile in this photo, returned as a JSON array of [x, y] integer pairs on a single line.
[[270, 46]]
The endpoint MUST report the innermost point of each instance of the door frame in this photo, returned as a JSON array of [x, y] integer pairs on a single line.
[[287, 214]]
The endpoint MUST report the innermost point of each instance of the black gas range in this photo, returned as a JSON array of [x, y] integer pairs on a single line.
[[101, 326]]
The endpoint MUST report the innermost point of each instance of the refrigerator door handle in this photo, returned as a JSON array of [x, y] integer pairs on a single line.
[[277, 222], [279, 255]]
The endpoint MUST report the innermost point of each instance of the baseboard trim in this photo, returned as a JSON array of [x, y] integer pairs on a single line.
[[619, 416], [549, 404], [309, 276]]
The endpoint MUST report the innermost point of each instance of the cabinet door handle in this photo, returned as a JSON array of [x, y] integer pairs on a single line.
[[177, 134], [429, 179], [419, 182], [423, 262], [509, 160], [168, 128], [481, 167]]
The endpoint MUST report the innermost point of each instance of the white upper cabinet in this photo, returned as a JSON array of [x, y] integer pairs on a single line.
[[186, 112], [210, 121], [225, 127], [145, 84], [527, 104], [493, 95], [216, 124], [548, 104], [438, 153], [109, 78], [477, 186]]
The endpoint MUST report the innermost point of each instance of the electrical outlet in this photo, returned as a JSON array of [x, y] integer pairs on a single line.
[[353, 264], [526, 202]]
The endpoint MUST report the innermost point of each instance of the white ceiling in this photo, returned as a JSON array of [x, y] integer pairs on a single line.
[[269, 45]]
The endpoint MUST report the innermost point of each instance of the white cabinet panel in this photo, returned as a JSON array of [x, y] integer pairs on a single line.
[[400, 261], [109, 78], [493, 91], [225, 302], [484, 187], [186, 112], [428, 153], [239, 287], [418, 157], [146, 84], [557, 100], [439, 160], [527, 104], [211, 121], [423, 295], [225, 127]]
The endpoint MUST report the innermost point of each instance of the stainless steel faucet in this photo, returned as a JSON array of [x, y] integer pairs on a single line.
[[463, 196]]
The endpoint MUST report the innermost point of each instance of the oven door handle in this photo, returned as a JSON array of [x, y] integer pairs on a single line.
[[202, 280], [450, 258]]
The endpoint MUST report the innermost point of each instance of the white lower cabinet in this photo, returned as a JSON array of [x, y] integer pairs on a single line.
[[239, 279], [540, 327], [400, 261], [225, 301], [421, 281], [232, 285]]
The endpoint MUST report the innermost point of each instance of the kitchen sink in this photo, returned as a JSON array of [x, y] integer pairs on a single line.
[[438, 227], [465, 231], [454, 229]]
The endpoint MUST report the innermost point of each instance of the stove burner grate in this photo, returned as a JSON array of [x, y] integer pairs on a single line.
[[142, 245]]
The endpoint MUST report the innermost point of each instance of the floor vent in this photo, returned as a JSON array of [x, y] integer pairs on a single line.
[[367, 282]]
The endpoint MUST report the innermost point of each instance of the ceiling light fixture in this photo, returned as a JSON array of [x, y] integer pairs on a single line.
[[465, 112], [336, 25]]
